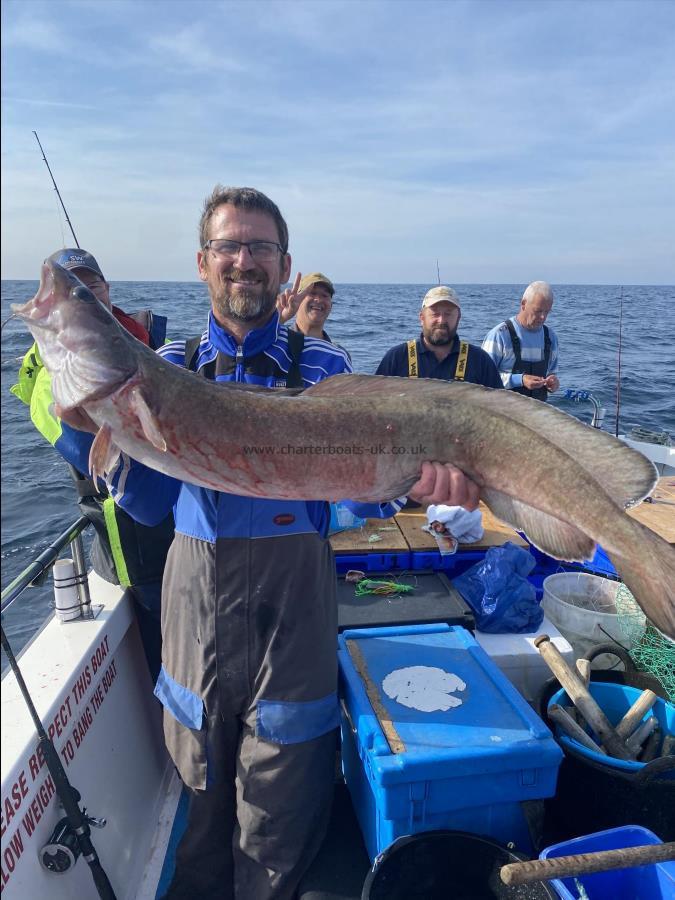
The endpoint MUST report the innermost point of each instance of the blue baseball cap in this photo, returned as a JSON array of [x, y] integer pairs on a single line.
[[76, 259]]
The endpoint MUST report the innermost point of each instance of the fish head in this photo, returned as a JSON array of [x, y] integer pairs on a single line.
[[83, 347]]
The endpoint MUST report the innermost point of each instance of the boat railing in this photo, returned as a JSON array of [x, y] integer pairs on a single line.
[[582, 396], [36, 570]]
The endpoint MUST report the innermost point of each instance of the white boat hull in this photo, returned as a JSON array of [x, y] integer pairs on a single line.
[[90, 684], [662, 456]]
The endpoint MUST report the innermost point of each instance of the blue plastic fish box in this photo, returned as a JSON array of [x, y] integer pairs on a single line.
[[371, 562], [599, 565], [435, 736], [454, 563]]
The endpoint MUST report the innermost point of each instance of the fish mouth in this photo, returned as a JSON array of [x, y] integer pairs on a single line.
[[40, 306]]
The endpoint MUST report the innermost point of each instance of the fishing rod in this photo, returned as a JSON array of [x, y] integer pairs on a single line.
[[70, 799], [63, 205], [618, 368], [438, 272]]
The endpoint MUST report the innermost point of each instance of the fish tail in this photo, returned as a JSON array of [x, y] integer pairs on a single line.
[[648, 570]]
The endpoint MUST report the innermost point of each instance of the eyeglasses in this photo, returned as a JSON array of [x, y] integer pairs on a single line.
[[263, 251]]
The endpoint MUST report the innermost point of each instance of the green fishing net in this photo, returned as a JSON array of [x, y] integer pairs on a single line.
[[650, 650]]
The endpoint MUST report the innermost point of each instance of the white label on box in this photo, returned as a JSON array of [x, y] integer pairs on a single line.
[[426, 688]]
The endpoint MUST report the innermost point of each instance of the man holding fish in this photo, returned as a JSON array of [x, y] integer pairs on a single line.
[[248, 618], [249, 623]]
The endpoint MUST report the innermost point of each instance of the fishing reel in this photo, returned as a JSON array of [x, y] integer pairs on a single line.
[[60, 853], [62, 850]]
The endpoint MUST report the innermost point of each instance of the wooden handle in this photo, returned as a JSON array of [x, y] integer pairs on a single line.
[[635, 714], [651, 748], [578, 694], [562, 718], [640, 735], [586, 863], [584, 670]]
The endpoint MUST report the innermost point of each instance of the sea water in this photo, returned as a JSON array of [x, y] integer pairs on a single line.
[[38, 499]]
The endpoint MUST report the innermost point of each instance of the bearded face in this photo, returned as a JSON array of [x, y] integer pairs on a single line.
[[439, 323], [244, 295], [242, 289]]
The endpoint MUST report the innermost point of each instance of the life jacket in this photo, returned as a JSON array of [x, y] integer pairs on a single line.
[[539, 368], [219, 365], [460, 369]]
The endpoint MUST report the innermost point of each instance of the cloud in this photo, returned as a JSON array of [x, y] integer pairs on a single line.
[[31, 33], [489, 132], [36, 101], [189, 47]]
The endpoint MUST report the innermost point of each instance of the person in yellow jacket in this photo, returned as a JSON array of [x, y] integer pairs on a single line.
[[123, 551]]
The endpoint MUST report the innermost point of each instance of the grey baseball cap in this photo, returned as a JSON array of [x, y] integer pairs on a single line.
[[76, 259]]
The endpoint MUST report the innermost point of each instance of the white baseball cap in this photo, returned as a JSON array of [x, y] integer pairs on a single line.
[[438, 295]]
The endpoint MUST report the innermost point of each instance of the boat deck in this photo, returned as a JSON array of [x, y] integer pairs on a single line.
[[85, 678]]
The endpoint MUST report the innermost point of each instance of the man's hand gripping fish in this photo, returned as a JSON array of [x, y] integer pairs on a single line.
[[563, 483]]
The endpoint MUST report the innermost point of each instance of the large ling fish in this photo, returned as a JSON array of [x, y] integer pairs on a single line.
[[565, 484]]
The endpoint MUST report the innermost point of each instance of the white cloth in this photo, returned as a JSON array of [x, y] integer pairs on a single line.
[[466, 526]]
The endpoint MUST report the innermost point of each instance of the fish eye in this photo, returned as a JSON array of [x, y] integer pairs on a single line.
[[81, 292]]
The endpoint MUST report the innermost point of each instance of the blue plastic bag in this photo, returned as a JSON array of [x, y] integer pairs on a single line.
[[497, 590], [342, 518]]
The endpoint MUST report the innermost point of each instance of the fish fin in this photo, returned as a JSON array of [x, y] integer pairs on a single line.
[[549, 534], [647, 567], [626, 475], [149, 423], [360, 385], [103, 453]]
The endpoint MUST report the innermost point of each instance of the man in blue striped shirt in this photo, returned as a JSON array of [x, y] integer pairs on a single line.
[[524, 349], [249, 615]]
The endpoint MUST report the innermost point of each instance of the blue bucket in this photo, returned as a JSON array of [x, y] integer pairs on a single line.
[[615, 700], [604, 792], [653, 882]]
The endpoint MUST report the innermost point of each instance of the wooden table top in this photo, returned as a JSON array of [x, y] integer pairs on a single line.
[[356, 540], [659, 515], [665, 488], [404, 532], [496, 532]]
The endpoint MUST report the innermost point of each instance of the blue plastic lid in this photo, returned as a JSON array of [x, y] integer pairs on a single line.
[[436, 696]]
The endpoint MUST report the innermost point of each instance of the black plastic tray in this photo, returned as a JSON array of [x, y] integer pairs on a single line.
[[434, 599]]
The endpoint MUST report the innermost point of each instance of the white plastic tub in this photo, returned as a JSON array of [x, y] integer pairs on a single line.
[[583, 607], [521, 662]]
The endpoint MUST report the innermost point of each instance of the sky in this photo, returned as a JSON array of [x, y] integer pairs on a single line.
[[511, 141]]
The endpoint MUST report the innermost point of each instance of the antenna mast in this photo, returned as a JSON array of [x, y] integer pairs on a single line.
[[618, 367]]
